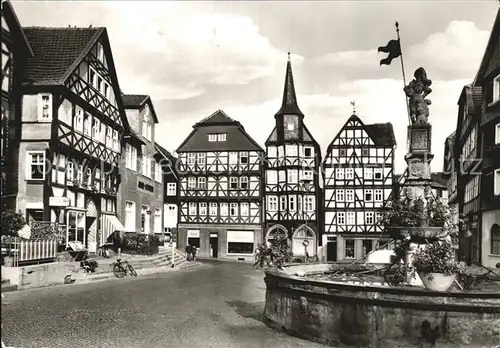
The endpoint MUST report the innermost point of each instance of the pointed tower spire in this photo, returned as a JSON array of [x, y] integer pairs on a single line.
[[289, 104]]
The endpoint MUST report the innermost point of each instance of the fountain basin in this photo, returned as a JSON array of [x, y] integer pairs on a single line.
[[361, 315]]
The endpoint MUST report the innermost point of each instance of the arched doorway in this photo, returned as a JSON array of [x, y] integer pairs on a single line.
[[301, 234], [495, 239], [274, 231]]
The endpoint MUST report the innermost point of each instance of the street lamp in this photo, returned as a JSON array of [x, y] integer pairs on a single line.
[[306, 186]]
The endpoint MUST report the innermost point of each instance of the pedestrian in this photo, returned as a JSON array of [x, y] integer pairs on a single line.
[[189, 250], [194, 250]]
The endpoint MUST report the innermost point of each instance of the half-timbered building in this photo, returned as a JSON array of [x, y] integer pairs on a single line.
[[450, 172], [468, 149], [169, 166], [72, 123], [140, 196], [220, 189], [358, 180], [15, 48], [292, 188], [488, 77]]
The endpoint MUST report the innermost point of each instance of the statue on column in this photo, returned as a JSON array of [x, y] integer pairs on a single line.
[[416, 91]]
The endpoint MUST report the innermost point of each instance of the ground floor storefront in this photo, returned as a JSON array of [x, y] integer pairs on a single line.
[[303, 237], [348, 247], [237, 242]]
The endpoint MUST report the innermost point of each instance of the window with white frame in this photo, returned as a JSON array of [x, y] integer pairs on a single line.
[[109, 137], [202, 183], [36, 165], [244, 209], [293, 176], [272, 203], [233, 209], [92, 77], [70, 174], [191, 158], [282, 203], [158, 172], [106, 90], [116, 143], [96, 129], [378, 217], [349, 195], [201, 159], [221, 137], [191, 183], [349, 250], [291, 150], [243, 157], [272, 177], [203, 208], [369, 218], [497, 182], [233, 183], [378, 195], [146, 166], [377, 173], [271, 151], [213, 209], [171, 189], [309, 203], [244, 183], [89, 177], [339, 195], [339, 173], [350, 218], [341, 218], [100, 52], [130, 216], [233, 157], [368, 195], [497, 134], [349, 173], [212, 137], [45, 107], [290, 126], [307, 175], [145, 227], [78, 124], [99, 84], [496, 89], [79, 174], [308, 152], [224, 209], [368, 173], [192, 208], [130, 157], [87, 121], [291, 203]]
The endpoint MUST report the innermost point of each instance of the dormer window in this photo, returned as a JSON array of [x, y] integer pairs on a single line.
[[497, 134], [221, 137], [290, 126], [45, 107], [496, 89], [213, 137]]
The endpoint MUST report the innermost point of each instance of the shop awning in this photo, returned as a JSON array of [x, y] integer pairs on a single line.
[[109, 224]]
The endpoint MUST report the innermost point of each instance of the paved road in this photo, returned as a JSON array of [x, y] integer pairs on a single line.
[[216, 305]]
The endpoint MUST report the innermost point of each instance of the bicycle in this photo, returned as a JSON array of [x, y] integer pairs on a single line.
[[120, 269]]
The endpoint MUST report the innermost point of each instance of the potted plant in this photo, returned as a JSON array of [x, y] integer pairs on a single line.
[[436, 265], [276, 254]]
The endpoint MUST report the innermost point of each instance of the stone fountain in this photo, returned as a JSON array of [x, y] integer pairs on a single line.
[[304, 301]]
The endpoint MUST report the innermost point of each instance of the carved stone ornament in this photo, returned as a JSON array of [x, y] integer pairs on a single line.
[[416, 91], [419, 139], [416, 169]]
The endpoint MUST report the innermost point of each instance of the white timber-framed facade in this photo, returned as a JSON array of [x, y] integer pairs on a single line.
[[220, 183], [358, 179], [292, 194]]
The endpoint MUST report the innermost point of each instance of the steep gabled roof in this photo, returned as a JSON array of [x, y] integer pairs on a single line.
[[219, 117], [57, 52], [137, 101], [164, 152], [289, 104], [381, 133], [237, 139], [21, 42], [493, 43]]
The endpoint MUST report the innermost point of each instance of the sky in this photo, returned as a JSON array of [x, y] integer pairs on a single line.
[[194, 58]]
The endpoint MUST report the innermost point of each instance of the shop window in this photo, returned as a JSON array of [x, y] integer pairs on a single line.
[[240, 242], [193, 238]]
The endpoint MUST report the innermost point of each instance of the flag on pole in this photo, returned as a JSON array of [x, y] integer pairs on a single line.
[[393, 48]]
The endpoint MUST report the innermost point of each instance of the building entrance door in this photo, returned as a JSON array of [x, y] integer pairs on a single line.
[[214, 245], [331, 251]]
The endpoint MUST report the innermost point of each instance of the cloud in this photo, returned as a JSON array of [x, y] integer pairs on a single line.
[[455, 52], [381, 100], [187, 53], [459, 48]]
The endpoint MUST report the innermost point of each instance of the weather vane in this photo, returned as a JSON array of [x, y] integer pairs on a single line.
[[353, 103]]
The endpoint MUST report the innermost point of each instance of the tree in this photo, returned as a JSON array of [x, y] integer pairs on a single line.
[[12, 222]]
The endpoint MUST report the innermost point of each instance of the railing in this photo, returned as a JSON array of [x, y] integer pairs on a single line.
[[30, 250]]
